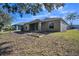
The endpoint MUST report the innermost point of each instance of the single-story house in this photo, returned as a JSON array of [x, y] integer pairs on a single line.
[[18, 26], [75, 26], [46, 25]]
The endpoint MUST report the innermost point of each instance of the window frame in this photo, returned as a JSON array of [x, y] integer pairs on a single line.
[[51, 25]]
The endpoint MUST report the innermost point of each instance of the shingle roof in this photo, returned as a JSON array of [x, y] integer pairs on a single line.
[[51, 19], [22, 23], [43, 20], [36, 20]]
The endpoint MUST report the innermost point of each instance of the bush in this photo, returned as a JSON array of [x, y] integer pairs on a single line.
[[8, 28]]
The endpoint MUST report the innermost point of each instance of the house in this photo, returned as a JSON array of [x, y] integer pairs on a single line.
[[18, 27], [46, 25], [75, 26]]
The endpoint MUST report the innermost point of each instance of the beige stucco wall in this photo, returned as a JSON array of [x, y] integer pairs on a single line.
[[45, 26], [26, 29], [63, 27], [39, 26]]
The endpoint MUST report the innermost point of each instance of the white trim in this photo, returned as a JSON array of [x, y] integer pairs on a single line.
[[60, 26]]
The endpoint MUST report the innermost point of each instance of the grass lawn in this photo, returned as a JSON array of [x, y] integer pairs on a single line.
[[59, 43]]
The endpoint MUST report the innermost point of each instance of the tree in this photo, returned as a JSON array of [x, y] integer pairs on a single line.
[[71, 17], [5, 20], [30, 8], [24, 8]]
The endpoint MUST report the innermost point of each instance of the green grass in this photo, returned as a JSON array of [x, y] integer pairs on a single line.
[[69, 40], [69, 33], [59, 43]]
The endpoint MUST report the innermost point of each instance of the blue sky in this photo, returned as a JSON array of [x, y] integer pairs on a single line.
[[61, 12]]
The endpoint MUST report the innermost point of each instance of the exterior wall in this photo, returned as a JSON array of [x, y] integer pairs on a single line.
[[35, 27], [45, 26], [39, 26], [56, 25], [63, 27], [26, 27], [16, 27], [75, 26], [59, 26]]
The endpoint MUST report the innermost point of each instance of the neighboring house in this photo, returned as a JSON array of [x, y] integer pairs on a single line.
[[75, 26], [46, 25]]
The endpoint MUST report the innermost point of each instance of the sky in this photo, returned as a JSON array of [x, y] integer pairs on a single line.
[[61, 12]]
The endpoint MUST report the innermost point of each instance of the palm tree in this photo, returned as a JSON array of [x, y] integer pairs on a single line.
[[71, 17], [5, 20]]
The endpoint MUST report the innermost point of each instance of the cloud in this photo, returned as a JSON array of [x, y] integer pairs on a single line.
[[52, 16], [61, 10], [66, 12], [41, 16]]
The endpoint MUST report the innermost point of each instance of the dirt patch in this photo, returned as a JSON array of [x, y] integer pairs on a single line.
[[49, 45]]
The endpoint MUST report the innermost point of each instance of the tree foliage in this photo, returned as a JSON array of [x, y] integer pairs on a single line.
[[5, 19], [30, 8], [72, 16], [23, 8]]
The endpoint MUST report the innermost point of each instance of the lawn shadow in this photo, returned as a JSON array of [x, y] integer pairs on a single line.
[[47, 32], [5, 48], [19, 32], [25, 32]]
